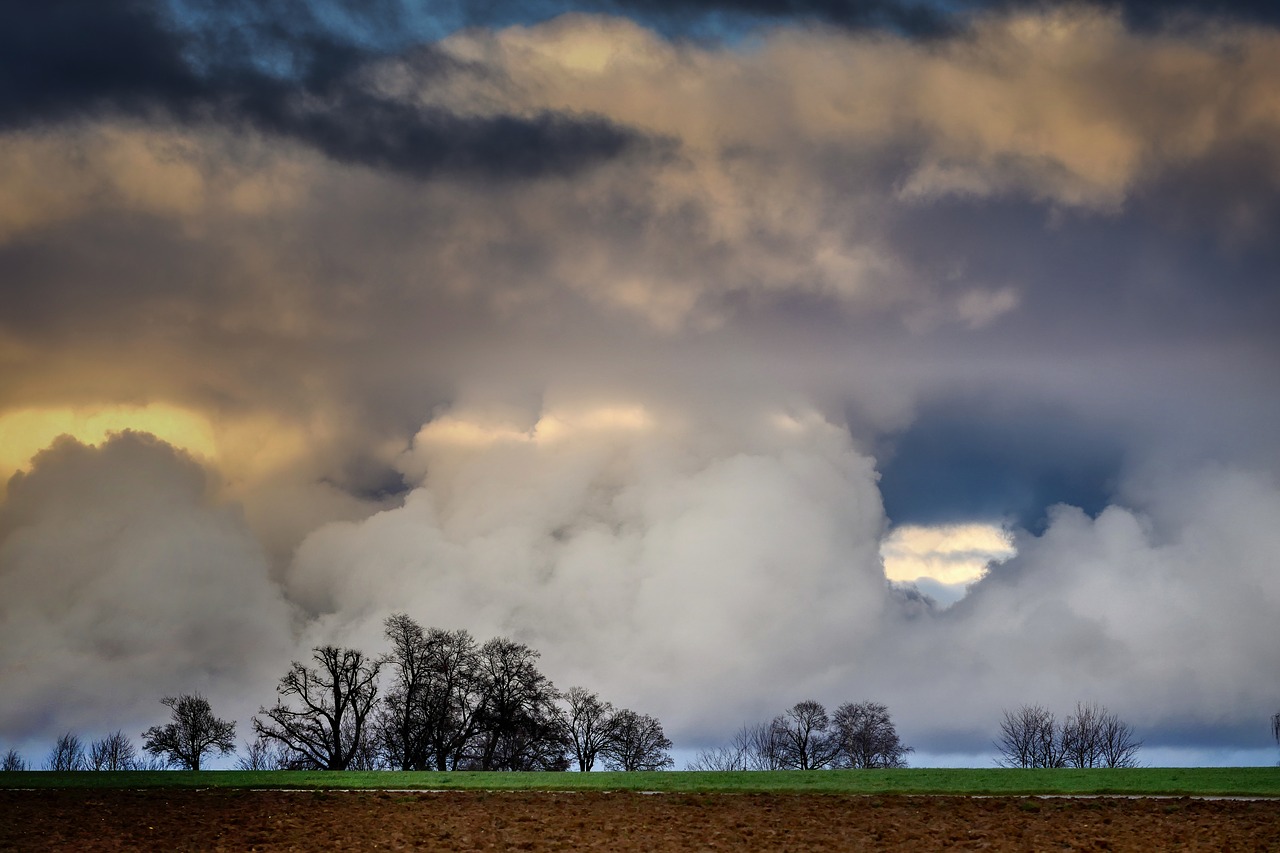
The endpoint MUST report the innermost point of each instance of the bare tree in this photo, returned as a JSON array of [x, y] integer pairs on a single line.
[[367, 754], [12, 762], [719, 758], [1275, 726], [637, 742], [193, 732], [335, 699], [1096, 737], [430, 717], [590, 723], [401, 724], [803, 737], [761, 746], [1081, 736], [1029, 738], [262, 753], [67, 754], [113, 752], [1119, 745], [1091, 736], [754, 747], [866, 738], [455, 698], [518, 724]]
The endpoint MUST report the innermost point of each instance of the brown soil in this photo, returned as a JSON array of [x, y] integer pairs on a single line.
[[381, 820]]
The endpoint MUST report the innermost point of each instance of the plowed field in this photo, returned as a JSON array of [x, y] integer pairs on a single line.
[[390, 820]]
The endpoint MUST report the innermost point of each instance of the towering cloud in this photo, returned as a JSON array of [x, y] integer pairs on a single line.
[[122, 581]]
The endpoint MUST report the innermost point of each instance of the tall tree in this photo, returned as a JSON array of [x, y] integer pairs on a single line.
[[455, 698], [636, 742], [334, 701], [865, 737], [590, 723], [67, 753], [802, 733], [113, 752], [402, 724], [430, 716], [193, 732], [519, 726]]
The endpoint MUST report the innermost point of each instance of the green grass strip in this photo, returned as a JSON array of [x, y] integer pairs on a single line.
[[1146, 781]]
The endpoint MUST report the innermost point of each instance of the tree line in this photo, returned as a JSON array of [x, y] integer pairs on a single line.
[[805, 737], [451, 703]]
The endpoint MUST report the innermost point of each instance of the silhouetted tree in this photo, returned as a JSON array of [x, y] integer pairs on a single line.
[[802, 737], [636, 742], [367, 754], [761, 746], [1096, 737], [754, 747], [12, 762], [335, 699], [719, 758], [1081, 737], [1119, 745], [430, 717], [865, 737], [113, 752], [1091, 736], [1029, 738], [518, 726], [262, 753], [193, 732], [67, 754], [590, 723], [401, 724]]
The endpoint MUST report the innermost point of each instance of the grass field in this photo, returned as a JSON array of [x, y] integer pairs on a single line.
[[1203, 781]]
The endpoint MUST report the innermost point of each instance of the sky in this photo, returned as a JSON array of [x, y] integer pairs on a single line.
[[729, 353]]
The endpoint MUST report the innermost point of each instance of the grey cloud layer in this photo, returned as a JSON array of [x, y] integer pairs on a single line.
[[670, 380]]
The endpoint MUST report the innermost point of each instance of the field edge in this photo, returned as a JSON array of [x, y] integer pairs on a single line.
[[1145, 781]]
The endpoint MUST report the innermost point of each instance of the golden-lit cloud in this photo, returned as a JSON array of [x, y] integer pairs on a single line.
[[949, 553], [25, 432], [463, 430]]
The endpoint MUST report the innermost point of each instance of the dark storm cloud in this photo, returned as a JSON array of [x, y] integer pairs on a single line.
[[68, 57], [278, 68], [1148, 13], [917, 18], [905, 17]]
